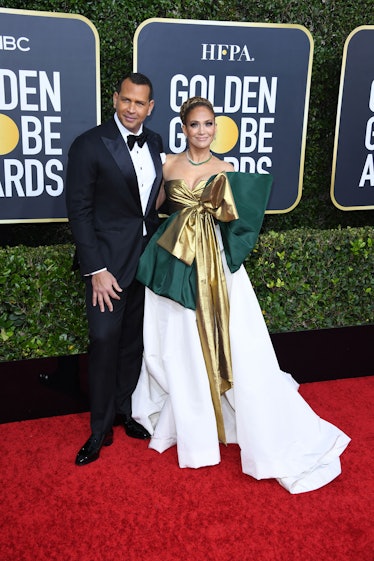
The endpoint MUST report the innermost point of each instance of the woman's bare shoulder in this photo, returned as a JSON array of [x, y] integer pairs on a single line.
[[221, 165], [227, 166], [172, 158], [171, 165]]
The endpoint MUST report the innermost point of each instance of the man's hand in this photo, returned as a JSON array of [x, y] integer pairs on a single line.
[[104, 288]]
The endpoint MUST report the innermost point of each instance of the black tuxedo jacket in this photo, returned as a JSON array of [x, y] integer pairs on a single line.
[[103, 201]]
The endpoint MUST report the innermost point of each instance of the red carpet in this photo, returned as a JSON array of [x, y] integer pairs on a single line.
[[134, 504]]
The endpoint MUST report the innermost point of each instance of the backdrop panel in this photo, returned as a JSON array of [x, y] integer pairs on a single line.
[[258, 78], [352, 181], [49, 93]]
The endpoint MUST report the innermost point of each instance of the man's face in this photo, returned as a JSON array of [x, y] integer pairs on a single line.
[[132, 105]]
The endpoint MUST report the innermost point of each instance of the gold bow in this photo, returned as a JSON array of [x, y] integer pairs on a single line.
[[190, 236]]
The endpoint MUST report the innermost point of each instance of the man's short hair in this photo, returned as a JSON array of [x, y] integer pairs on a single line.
[[136, 78]]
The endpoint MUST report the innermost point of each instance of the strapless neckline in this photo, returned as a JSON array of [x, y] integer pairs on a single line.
[[184, 182]]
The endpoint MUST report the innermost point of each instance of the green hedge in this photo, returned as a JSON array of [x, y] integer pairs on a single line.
[[314, 279], [304, 279], [42, 307]]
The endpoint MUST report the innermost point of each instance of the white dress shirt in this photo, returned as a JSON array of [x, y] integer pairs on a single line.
[[143, 164]]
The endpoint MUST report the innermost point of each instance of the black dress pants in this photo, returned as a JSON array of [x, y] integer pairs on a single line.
[[114, 355]]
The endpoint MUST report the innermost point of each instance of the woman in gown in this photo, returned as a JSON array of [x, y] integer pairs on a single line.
[[210, 374]]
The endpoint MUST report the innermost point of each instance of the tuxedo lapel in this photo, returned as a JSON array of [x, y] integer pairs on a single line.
[[155, 153], [119, 152], [117, 148]]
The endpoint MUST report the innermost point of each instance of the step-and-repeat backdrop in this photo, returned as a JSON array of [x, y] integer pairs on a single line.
[[257, 77]]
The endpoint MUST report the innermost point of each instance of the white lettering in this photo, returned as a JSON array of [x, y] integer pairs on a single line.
[[245, 54], [31, 178], [31, 135], [234, 50], [177, 140], [255, 131], [198, 86], [36, 133], [253, 94], [8, 43], [369, 135], [176, 94], [208, 51], [250, 165], [19, 44], [232, 81], [49, 136], [371, 98], [368, 172], [213, 51], [8, 90], [54, 191], [26, 91], [49, 91], [249, 129], [32, 90], [263, 134], [263, 94], [222, 50], [268, 95], [34, 178], [13, 173]]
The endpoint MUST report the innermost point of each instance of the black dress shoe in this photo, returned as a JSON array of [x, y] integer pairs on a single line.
[[90, 451], [132, 428]]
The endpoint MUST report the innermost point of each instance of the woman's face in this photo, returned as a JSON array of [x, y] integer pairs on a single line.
[[200, 127]]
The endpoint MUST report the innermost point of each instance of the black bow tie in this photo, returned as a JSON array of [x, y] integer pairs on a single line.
[[141, 139]]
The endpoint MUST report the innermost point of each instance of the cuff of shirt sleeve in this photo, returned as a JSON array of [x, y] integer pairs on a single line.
[[94, 272]]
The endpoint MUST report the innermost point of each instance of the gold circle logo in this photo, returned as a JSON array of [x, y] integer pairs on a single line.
[[226, 136], [9, 134]]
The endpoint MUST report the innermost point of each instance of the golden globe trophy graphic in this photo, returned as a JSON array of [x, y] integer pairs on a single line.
[[9, 135], [227, 135]]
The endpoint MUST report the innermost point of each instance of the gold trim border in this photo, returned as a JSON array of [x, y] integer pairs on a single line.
[[98, 87], [252, 24], [337, 124]]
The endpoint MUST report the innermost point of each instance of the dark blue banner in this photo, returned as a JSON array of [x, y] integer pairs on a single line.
[[257, 77], [352, 182], [49, 93]]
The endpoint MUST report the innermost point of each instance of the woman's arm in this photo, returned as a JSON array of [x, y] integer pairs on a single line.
[[161, 197]]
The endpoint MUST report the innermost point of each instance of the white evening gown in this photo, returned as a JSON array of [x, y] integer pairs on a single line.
[[279, 435]]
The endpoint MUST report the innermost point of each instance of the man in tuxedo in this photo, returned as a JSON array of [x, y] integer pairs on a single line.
[[113, 177]]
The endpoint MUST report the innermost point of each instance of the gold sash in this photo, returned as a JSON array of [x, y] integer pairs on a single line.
[[190, 236]]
